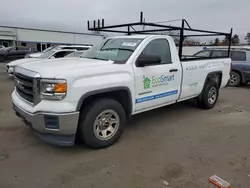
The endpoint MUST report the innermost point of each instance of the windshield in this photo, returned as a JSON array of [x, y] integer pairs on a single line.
[[48, 49], [115, 49], [75, 54], [46, 55]]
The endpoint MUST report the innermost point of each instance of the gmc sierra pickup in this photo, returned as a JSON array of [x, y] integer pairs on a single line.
[[93, 96]]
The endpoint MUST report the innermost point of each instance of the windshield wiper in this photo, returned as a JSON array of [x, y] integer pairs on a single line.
[[94, 58], [126, 49]]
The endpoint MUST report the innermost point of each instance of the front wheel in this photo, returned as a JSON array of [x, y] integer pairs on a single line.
[[209, 96], [102, 123]]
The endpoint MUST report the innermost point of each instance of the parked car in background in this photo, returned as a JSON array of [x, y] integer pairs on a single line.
[[240, 63], [56, 53], [15, 52], [36, 55], [69, 47], [52, 54]]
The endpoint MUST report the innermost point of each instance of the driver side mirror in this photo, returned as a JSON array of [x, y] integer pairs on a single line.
[[148, 60], [52, 57]]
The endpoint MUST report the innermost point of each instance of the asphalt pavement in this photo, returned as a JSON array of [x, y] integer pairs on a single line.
[[179, 144]]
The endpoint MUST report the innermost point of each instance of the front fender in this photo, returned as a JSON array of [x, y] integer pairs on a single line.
[[100, 91], [85, 86]]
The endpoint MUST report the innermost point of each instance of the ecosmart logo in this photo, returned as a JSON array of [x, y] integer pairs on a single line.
[[146, 82], [156, 81]]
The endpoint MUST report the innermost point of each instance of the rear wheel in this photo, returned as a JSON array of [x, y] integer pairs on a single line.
[[102, 123], [235, 79], [209, 95]]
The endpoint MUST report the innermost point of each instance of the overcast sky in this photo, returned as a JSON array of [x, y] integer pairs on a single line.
[[219, 15]]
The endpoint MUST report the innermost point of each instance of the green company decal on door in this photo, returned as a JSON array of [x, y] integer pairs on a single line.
[[156, 81]]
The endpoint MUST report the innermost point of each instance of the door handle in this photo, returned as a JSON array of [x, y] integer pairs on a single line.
[[173, 70]]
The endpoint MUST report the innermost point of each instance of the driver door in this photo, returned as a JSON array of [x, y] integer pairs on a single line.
[[157, 85]]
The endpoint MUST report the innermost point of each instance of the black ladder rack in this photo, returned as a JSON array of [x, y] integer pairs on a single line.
[[129, 29]]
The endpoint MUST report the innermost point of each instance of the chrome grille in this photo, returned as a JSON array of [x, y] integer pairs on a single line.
[[24, 86]]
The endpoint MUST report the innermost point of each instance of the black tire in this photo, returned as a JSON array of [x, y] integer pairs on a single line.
[[204, 101], [87, 122], [235, 79]]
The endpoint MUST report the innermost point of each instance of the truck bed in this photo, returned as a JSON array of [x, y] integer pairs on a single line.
[[195, 73]]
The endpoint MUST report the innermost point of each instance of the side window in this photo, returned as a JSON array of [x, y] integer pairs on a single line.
[[205, 53], [82, 48], [68, 48], [61, 54], [221, 53], [238, 56], [67, 53], [159, 47]]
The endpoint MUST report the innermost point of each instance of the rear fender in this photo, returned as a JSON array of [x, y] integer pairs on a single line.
[[215, 76]]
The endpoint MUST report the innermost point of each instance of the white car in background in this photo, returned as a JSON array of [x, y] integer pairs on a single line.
[[68, 47], [36, 55], [51, 54]]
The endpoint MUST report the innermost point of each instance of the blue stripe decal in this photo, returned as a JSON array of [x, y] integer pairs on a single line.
[[153, 97]]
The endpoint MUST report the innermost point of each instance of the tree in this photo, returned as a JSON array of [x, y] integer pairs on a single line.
[[225, 41], [216, 42], [247, 38], [235, 39], [210, 43]]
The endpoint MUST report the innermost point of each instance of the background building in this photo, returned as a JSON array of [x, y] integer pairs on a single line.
[[42, 39]]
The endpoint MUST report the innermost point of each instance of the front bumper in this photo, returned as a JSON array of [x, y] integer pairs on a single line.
[[55, 128]]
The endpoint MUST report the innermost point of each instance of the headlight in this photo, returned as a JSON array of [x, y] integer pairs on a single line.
[[53, 89]]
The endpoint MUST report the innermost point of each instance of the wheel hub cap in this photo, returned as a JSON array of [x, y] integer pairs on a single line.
[[106, 124], [212, 95], [233, 79]]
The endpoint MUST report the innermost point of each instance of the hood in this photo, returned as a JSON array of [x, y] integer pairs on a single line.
[[21, 61], [51, 68], [35, 55]]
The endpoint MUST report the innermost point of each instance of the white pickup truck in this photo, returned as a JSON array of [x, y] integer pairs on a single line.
[[93, 96]]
